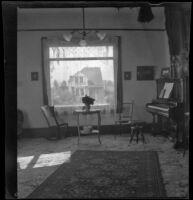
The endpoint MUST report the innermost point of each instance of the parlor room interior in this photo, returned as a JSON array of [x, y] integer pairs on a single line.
[[103, 99]]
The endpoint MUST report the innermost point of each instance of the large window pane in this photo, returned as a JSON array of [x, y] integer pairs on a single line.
[[71, 80], [81, 52]]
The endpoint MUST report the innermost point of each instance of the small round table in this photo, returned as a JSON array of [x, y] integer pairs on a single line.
[[89, 112]]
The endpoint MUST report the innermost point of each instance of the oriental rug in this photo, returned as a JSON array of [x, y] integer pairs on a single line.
[[105, 174]]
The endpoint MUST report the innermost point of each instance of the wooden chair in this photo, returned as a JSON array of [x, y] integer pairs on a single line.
[[51, 119], [126, 116]]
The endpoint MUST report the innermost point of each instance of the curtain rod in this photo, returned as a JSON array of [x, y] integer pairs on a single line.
[[90, 29]]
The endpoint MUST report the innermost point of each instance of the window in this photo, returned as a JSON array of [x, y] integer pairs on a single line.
[[82, 91], [76, 79], [79, 71], [81, 80]]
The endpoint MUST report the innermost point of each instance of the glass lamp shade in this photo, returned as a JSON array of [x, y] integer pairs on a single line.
[[101, 35], [67, 37], [82, 43]]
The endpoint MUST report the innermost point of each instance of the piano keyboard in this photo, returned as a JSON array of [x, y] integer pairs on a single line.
[[165, 109]]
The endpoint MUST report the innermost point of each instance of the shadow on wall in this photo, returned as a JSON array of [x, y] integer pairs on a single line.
[[26, 123]]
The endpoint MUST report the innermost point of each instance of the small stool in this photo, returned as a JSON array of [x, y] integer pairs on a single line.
[[136, 130]]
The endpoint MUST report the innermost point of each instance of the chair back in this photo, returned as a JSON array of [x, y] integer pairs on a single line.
[[127, 111], [48, 112]]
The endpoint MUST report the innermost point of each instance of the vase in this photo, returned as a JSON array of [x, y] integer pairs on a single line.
[[87, 107]]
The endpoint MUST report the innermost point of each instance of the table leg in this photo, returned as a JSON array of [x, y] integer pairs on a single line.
[[143, 137], [78, 126], [137, 134], [99, 125], [132, 134], [115, 131]]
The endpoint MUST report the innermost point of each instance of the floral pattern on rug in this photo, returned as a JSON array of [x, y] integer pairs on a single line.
[[105, 174]]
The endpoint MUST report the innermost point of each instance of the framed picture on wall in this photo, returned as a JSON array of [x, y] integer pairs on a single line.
[[127, 75], [34, 76], [165, 72], [145, 73]]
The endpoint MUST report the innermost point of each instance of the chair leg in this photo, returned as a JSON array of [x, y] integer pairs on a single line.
[[130, 131], [137, 134], [99, 138], [132, 134], [143, 137]]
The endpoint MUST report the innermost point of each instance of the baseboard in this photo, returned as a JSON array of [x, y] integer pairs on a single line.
[[72, 131]]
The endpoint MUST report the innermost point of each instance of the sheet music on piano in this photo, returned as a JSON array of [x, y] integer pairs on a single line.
[[166, 91]]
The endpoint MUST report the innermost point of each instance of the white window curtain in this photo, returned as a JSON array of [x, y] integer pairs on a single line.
[[68, 75]]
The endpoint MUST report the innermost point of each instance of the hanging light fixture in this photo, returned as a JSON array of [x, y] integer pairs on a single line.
[[83, 41], [99, 34], [68, 36]]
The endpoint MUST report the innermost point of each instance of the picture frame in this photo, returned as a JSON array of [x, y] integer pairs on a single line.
[[127, 75], [145, 73], [165, 72], [34, 76]]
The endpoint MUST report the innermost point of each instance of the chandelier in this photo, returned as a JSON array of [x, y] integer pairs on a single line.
[[84, 33]]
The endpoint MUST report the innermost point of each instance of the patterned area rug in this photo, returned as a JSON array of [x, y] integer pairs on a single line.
[[105, 174]]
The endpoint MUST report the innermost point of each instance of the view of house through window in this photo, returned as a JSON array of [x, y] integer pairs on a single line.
[[79, 71]]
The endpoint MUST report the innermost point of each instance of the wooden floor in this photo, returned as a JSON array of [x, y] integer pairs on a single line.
[[38, 158]]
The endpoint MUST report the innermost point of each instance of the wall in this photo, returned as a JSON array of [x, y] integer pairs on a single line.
[[138, 48]]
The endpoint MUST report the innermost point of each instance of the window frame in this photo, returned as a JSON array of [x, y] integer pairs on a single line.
[[55, 42]]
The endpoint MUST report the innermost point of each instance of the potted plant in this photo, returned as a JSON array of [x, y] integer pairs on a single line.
[[87, 101]]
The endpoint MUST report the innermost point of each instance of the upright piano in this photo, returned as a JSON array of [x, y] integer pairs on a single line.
[[171, 106]]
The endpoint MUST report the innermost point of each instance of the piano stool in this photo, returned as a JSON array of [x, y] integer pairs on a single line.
[[136, 130]]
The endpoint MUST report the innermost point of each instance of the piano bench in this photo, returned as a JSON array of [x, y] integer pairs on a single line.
[[136, 130]]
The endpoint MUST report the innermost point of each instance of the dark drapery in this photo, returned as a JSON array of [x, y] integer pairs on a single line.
[[177, 22], [173, 28], [119, 78], [44, 84], [178, 28]]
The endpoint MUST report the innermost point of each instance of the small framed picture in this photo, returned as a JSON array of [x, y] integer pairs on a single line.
[[165, 72], [127, 75], [34, 76]]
